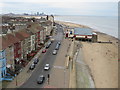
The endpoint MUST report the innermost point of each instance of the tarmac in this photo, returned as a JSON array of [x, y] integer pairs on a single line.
[[69, 70], [59, 77], [23, 75]]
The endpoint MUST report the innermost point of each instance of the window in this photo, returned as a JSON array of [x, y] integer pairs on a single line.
[[4, 72], [1, 63], [1, 55], [2, 75], [70, 32]]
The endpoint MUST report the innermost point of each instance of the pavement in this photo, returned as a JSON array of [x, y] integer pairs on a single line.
[[59, 74], [59, 77], [57, 66], [26, 75], [23, 75], [83, 74]]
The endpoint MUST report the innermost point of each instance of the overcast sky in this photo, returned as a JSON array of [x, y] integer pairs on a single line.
[[61, 7]]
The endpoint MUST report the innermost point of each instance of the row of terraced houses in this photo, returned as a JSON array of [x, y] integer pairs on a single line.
[[20, 39]]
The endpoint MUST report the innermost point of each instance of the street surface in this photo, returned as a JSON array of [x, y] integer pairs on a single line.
[[47, 58]]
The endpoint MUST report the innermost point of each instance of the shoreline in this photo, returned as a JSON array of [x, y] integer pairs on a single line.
[[101, 58], [80, 25]]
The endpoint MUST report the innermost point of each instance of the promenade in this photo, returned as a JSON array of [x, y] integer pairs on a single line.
[[59, 76]]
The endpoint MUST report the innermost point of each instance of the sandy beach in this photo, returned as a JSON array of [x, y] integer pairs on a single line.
[[101, 58]]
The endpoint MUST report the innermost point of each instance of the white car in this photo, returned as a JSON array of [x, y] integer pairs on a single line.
[[47, 67], [54, 52]]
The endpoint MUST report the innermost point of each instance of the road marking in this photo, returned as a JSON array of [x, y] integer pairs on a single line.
[[59, 67]]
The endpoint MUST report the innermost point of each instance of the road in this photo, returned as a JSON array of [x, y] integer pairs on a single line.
[[46, 58]]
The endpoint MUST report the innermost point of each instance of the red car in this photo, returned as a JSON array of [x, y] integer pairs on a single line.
[[44, 50]]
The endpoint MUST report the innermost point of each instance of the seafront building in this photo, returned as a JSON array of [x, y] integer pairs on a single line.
[[81, 34], [2, 62], [21, 39]]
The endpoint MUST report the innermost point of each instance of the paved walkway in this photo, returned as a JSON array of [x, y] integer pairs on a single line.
[[84, 79], [59, 76]]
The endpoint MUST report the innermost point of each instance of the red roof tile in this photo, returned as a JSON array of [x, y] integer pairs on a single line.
[[24, 33], [12, 38], [4, 42], [39, 28], [8, 40], [18, 35]]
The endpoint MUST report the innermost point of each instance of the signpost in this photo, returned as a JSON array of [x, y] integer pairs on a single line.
[[48, 78]]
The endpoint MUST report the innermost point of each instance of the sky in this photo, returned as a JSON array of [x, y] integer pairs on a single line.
[[61, 7]]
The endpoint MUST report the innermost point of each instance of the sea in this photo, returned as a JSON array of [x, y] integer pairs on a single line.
[[105, 24]]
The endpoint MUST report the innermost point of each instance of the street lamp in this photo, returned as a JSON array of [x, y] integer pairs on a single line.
[[48, 78], [64, 78], [16, 81]]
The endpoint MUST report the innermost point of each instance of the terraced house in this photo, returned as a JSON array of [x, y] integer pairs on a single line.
[[20, 42], [2, 61]]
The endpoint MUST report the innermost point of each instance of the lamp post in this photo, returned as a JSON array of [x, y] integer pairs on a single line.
[[15, 75], [64, 78], [48, 78], [16, 81]]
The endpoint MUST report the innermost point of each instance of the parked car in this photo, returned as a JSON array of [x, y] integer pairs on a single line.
[[41, 79], [32, 66], [59, 43], [57, 47], [47, 67], [48, 45], [54, 52], [44, 50], [36, 60]]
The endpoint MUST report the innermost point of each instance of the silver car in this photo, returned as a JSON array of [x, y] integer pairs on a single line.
[[47, 67], [59, 43], [54, 52]]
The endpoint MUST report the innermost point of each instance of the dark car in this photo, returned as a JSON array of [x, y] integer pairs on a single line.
[[41, 79], [32, 66], [36, 61], [59, 43], [57, 47], [48, 45]]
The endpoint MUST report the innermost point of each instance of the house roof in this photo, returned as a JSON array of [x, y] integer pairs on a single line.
[[24, 33], [18, 35], [8, 40], [48, 22], [82, 31], [31, 30], [35, 28], [4, 42], [12, 38], [39, 28]]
